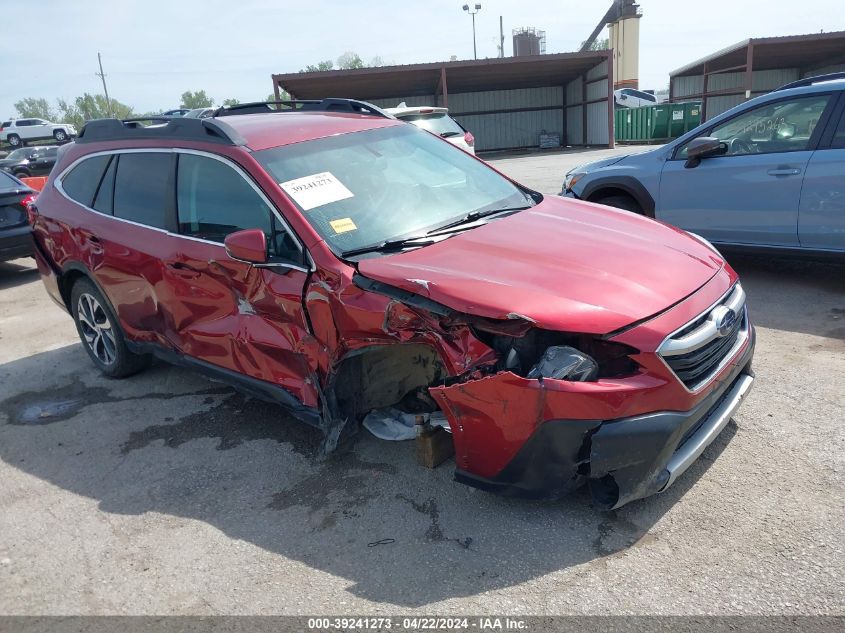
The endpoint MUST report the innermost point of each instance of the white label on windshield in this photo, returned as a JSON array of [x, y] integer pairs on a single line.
[[317, 190]]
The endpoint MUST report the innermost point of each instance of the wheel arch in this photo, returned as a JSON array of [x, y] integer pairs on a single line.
[[626, 185], [71, 273]]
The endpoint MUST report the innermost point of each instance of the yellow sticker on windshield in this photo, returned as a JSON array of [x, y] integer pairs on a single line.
[[343, 225]]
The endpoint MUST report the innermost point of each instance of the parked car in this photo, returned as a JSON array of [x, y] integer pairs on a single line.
[[17, 132], [437, 121], [765, 175], [199, 113], [15, 197], [337, 263], [630, 98], [30, 161], [176, 112]]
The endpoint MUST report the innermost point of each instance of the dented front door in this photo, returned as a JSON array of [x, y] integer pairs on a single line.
[[229, 313]]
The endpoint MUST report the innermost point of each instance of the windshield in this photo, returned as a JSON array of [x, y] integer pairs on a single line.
[[18, 154], [441, 124], [367, 187]]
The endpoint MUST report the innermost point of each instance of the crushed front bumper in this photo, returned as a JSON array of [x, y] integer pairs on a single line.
[[623, 459]]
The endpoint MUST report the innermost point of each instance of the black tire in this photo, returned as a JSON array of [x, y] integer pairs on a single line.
[[60, 136], [621, 202], [14, 140], [100, 332], [21, 174]]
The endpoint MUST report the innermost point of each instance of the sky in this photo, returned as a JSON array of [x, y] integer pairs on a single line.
[[154, 51]]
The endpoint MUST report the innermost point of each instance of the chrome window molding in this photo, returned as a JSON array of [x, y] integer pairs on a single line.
[[178, 150]]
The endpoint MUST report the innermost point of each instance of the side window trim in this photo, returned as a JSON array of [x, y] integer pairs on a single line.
[[112, 159], [307, 261], [813, 143]]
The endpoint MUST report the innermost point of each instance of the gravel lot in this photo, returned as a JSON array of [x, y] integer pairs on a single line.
[[169, 494]]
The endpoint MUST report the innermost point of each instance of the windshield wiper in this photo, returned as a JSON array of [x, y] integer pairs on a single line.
[[473, 216], [389, 245], [448, 134]]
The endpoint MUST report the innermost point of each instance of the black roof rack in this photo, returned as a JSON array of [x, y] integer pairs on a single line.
[[168, 127], [810, 81], [332, 104]]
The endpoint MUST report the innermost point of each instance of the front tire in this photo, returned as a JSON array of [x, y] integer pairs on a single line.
[[100, 332], [60, 136]]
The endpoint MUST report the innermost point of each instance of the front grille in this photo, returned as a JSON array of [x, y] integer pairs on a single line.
[[698, 351]]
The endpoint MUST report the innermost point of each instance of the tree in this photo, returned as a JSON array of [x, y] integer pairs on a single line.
[[350, 60], [196, 99], [598, 45], [230, 102], [319, 67], [89, 107], [376, 61], [36, 108]]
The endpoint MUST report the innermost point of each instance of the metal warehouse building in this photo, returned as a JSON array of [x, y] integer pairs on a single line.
[[506, 103], [756, 66]]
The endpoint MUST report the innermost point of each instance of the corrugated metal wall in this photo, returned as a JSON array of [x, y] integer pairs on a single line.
[[762, 81], [485, 113], [597, 132]]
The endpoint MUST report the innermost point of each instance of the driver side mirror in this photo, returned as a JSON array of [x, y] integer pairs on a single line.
[[704, 147], [248, 246]]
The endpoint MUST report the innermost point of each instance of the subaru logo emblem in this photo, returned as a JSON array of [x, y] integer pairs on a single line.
[[724, 319]]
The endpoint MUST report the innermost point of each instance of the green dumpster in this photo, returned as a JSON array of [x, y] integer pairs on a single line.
[[657, 123]]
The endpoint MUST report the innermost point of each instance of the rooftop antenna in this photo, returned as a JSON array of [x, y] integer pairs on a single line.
[[102, 76]]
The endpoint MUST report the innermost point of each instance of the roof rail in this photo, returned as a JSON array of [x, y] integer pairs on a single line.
[[307, 105], [810, 81], [163, 127]]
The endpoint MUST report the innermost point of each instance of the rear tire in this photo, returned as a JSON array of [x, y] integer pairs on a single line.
[[624, 202], [21, 174], [101, 334], [14, 140], [60, 136]]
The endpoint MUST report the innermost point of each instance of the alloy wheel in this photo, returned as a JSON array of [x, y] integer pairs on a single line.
[[96, 329]]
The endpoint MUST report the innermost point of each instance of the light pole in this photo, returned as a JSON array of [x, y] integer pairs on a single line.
[[472, 12]]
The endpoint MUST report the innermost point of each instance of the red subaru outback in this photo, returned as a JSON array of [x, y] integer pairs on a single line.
[[335, 260]]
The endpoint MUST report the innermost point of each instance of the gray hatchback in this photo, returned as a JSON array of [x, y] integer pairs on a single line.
[[768, 174]]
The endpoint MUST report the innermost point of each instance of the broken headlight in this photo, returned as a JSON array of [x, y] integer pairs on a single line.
[[562, 362], [561, 355]]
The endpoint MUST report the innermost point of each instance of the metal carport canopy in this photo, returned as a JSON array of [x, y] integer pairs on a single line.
[[802, 51], [441, 77]]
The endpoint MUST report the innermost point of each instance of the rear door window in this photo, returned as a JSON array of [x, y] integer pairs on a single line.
[[838, 141], [143, 188], [81, 183]]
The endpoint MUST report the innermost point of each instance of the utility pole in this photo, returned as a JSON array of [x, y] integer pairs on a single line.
[[102, 76], [501, 38]]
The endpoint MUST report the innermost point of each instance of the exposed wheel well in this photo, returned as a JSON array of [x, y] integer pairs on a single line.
[[615, 192], [381, 376]]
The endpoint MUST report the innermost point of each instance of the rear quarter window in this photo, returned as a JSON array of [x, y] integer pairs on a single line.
[[6, 124], [80, 184]]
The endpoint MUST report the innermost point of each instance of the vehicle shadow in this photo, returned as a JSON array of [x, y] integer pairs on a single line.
[[17, 272], [794, 295], [167, 441]]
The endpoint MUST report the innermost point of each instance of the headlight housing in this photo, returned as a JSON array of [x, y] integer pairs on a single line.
[[571, 178]]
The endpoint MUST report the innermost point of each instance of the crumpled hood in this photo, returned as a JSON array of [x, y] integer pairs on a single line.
[[568, 265]]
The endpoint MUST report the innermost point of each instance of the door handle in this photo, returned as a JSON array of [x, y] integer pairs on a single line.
[[183, 270], [784, 171]]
